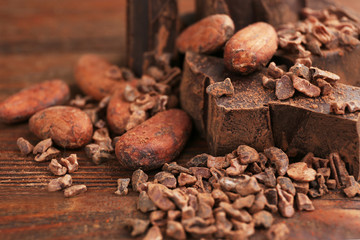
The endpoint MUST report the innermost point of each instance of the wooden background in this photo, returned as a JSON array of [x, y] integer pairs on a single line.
[[42, 40]]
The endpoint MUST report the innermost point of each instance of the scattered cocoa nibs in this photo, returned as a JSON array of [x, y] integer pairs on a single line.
[[198, 227], [278, 231], [74, 190], [158, 218], [97, 153], [322, 184], [42, 146], [56, 168], [300, 172], [352, 187], [92, 114], [305, 87], [157, 194], [154, 233], [138, 226], [247, 228], [24, 146], [274, 71], [186, 179], [330, 77], [263, 219], [47, 155], [286, 184], [244, 202], [114, 72], [278, 158], [144, 203], [325, 87], [136, 118], [60, 183], [247, 155], [70, 163], [165, 178], [268, 82], [122, 188], [175, 230], [219, 89], [204, 210], [286, 203], [174, 168], [303, 203], [138, 177]]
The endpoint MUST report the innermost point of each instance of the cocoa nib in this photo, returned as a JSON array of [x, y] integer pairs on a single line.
[[274, 71], [60, 183], [56, 168], [263, 219], [75, 190], [286, 203], [153, 233], [24, 146], [301, 70], [198, 161], [97, 153], [144, 203], [138, 177], [42, 146], [278, 158], [244, 202], [122, 188], [305, 87], [330, 77], [235, 168], [156, 193], [158, 218], [268, 82], [284, 88], [165, 178], [70, 163], [303, 203], [186, 179], [175, 230], [300, 172], [102, 138], [200, 171], [46, 156], [220, 89], [286, 184], [352, 187], [138, 226], [174, 168], [247, 154], [278, 231]]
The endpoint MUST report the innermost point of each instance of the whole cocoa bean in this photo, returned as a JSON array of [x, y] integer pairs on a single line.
[[156, 141], [118, 113], [68, 127], [250, 48], [207, 35], [97, 78], [22, 105]]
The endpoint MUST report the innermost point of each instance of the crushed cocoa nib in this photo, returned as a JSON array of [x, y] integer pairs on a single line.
[[158, 218], [157, 194], [247, 228], [174, 168], [301, 70], [179, 197], [217, 162], [268, 82], [56, 168], [122, 188], [247, 154], [223, 225], [219, 89], [284, 88], [204, 211], [340, 168], [241, 215], [102, 138], [24, 146], [114, 72], [97, 153], [144, 203], [286, 203], [330, 77], [219, 196], [193, 202], [130, 93], [314, 193], [186, 179], [303, 203], [198, 161], [267, 177], [313, 44], [278, 231], [93, 114], [75, 190], [198, 226], [136, 118], [165, 178], [352, 187], [304, 86], [200, 171], [300, 172], [286, 184], [278, 158], [325, 87], [306, 61], [274, 71], [271, 196], [187, 212], [175, 230], [244, 185], [42, 146], [138, 226], [331, 184], [254, 168], [70, 163], [263, 219], [322, 184], [172, 215], [47, 155], [259, 203], [60, 183], [80, 101], [138, 177], [232, 196], [235, 168], [244, 202]]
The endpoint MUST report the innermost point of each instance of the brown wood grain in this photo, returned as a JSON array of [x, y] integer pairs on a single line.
[[41, 40]]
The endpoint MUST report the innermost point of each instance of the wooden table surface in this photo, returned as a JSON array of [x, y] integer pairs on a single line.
[[42, 40]]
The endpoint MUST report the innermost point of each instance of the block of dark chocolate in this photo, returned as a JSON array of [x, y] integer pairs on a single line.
[[253, 115], [245, 12], [152, 25]]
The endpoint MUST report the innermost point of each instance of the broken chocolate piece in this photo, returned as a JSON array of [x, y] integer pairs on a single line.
[[24, 146], [74, 190], [122, 188]]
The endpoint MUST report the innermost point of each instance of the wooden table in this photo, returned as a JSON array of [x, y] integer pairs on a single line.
[[41, 40]]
